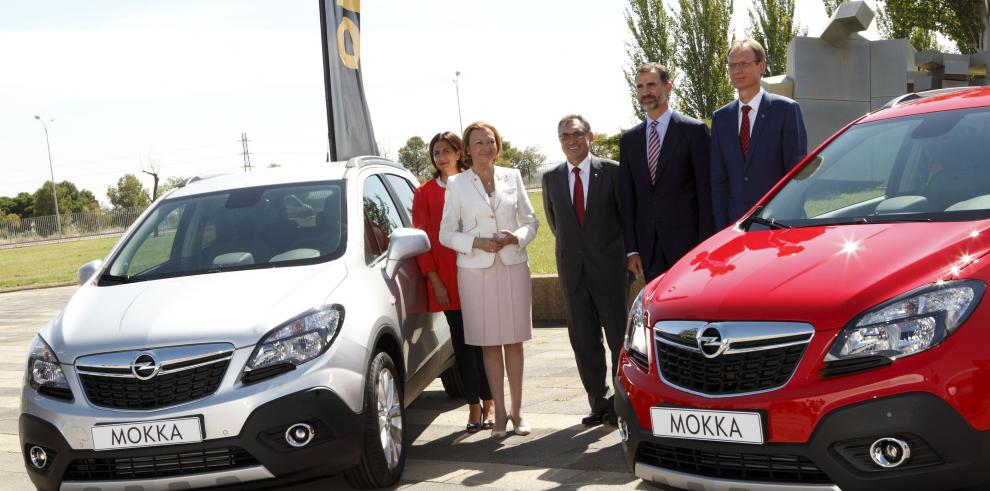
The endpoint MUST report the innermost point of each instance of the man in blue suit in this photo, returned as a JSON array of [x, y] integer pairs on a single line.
[[664, 180], [755, 139]]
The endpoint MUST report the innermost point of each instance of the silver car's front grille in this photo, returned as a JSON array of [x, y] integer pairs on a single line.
[[723, 359], [154, 378]]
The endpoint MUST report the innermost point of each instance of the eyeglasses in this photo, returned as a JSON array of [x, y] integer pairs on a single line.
[[572, 136], [740, 65]]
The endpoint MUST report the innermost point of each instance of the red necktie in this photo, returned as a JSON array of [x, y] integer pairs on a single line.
[[744, 132], [578, 198]]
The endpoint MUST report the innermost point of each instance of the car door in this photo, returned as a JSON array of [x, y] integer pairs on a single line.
[[382, 215]]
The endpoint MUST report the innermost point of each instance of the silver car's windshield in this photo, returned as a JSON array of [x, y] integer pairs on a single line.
[[928, 167], [268, 226]]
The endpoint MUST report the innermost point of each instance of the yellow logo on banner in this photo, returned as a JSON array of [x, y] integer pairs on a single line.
[[347, 26]]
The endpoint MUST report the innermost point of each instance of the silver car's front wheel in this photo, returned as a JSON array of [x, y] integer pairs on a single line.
[[389, 417], [383, 456]]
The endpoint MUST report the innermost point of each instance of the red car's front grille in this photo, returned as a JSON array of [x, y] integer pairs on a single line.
[[731, 373]]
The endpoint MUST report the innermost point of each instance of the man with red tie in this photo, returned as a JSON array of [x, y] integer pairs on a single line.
[[755, 139], [666, 190], [582, 204]]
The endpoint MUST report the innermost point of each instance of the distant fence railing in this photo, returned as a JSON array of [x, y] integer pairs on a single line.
[[37, 229]]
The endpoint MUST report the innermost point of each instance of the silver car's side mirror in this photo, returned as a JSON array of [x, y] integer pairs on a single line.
[[86, 271], [404, 243]]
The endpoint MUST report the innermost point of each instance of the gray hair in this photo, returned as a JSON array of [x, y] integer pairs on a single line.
[[586, 127]]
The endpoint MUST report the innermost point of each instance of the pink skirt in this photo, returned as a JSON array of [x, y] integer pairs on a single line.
[[497, 303]]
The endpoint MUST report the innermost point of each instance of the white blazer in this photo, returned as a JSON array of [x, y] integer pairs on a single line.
[[468, 213]]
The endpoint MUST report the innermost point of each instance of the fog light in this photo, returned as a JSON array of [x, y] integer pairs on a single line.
[[889, 452], [38, 457], [623, 430], [299, 435]]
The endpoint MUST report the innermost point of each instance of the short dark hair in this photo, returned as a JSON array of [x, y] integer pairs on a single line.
[[584, 122], [654, 67], [452, 140]]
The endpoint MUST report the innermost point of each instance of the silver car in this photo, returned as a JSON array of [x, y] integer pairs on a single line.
[[247, 327]]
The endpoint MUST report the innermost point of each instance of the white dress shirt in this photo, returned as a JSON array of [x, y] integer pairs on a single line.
[[585, 171], [754, 104]]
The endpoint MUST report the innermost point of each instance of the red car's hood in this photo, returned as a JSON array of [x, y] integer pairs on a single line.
[[823, 275]]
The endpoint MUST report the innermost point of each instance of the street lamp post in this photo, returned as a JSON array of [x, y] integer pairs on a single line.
[[457, 87], [58, 218]]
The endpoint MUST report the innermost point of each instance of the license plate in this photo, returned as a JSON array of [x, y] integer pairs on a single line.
[[716, 426], [147, 434]]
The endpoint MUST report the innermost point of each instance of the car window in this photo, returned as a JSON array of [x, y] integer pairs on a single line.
[[404, 191], [262, 226], [931, 167], [157, 248], [381, 217]]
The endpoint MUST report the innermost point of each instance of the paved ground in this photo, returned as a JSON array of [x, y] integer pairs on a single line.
[[559, 454]]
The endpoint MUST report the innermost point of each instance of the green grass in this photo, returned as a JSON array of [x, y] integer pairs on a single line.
[[48, 264], [541, 250], [56, 264]]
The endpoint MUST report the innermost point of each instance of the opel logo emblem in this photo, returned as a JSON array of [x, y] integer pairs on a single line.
[[711, 343], [144, 367]]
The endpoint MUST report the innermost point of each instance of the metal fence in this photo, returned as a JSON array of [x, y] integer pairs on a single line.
[[43, 228]]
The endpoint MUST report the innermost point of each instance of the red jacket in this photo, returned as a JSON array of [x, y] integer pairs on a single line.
[[427, 211]]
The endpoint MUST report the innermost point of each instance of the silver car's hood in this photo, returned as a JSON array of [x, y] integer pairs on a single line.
[[234, 307]]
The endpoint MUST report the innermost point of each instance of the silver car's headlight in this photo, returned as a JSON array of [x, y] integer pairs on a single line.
[[637, 332], [294, 343], [44, 373], [910, 323]]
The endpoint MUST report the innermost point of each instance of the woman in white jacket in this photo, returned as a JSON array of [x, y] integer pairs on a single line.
[[488, 220]]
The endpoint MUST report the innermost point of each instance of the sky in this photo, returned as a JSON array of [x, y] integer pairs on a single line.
[[126, 86]]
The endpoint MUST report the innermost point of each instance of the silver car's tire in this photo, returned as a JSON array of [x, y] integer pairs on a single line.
[[384, 454]]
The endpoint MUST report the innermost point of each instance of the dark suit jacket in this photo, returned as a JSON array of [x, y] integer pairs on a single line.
[[777, 144], [678, 209], [595, 247]]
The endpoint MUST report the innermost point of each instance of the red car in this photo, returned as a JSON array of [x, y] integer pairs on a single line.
[[834, 338]]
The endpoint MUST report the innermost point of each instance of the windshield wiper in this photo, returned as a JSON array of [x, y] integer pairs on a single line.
[[773, 224]]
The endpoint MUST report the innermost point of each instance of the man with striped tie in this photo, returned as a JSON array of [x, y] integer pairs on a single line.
[[665, 180]]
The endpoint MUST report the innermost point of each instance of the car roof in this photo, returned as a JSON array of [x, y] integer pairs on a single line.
[[932, 101], [281, 175]]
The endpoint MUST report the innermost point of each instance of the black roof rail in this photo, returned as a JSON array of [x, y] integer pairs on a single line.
[[363, 160], [202, 177]]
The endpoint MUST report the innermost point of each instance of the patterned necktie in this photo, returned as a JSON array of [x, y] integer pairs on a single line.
[[653, 152], [744, 132], [578, 198]]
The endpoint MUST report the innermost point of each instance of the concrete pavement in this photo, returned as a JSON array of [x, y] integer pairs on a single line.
[[559, 454]]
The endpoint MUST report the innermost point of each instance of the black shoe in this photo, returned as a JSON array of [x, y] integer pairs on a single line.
[[610, 419], [594, 418]]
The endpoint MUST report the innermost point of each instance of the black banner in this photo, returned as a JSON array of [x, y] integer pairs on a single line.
[[348, 119]]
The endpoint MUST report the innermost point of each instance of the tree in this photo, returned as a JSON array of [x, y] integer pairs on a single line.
[[703, 39], [831, 6], [128, 194], [652, 30], [772, 24], [415, 156], [527, 160], [169, 184], [21, 205], [274, 165], [70, 199], [606, 146], [962, 21]]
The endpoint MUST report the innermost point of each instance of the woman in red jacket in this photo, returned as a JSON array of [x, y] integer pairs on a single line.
[[440, 267]]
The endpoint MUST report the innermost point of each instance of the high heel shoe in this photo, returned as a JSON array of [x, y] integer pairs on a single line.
[[496, 433], [486, 422], [519, 427]]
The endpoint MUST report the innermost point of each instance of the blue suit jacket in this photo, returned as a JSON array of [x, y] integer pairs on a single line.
[[777, 144]]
